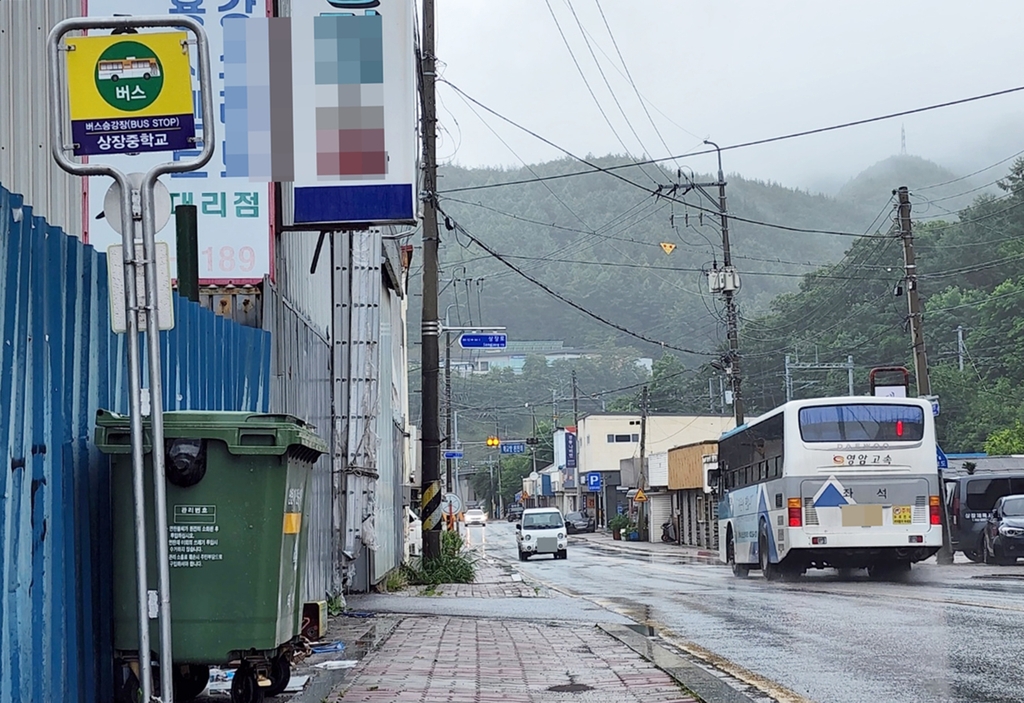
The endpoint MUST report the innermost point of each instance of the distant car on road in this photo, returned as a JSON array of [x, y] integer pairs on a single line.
[[579, 522], [475, 516], [1003, 539], [515, 511], [541, 531]]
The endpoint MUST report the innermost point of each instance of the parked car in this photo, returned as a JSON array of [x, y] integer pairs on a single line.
[[1003, 539], [475, 516], [541, 531], [579, 522], [970, 500], [514, 512]]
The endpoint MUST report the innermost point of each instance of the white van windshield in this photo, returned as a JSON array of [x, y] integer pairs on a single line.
[[542, 521]]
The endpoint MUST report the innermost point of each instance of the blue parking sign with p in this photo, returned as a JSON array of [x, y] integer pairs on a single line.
[[593, 481]]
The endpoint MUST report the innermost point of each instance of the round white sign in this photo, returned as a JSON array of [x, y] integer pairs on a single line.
[[451, 503]]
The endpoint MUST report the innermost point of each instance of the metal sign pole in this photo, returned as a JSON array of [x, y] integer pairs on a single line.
[[136, 205]]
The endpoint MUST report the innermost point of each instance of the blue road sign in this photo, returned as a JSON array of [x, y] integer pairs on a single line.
[[941, 457], [453, 455], [483, 341], [593, 481], [513, 447]]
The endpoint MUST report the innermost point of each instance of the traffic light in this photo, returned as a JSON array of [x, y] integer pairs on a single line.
[[493, 442]]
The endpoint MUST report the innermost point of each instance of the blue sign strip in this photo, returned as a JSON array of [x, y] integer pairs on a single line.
[[483, 341], [513, 447]]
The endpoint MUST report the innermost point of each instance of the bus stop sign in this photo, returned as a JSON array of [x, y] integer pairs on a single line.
[[130, 93]]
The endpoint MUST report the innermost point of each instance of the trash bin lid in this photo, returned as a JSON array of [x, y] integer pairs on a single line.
[[244, 433]]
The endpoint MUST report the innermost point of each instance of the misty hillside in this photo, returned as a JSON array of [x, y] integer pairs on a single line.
[[936, 192], [596, 240]]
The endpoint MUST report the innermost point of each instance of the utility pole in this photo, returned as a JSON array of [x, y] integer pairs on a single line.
[[448, 404], [924, 387], [641, 483], [575, 438], [960, 346], [430, 487], [914, 301], [729, 286]]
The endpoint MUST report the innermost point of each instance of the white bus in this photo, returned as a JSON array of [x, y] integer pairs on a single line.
[[131, 67], [849, 482]]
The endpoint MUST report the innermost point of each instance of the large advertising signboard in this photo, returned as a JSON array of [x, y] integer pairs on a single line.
[[339, 125], [235, 214]]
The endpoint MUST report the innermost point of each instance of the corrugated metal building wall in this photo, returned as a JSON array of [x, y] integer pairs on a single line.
[[59, 363], [301, 386], [25, 163]]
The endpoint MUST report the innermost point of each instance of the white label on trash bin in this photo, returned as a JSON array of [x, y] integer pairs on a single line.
[[154, 605], [194, 537]]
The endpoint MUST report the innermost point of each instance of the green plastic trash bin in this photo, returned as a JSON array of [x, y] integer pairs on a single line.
[[236, 491]]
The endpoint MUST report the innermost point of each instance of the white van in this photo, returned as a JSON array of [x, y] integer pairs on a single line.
[[541, 531]]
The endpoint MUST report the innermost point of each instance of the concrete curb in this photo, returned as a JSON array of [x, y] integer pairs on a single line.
[[704, 685], [675, 550]]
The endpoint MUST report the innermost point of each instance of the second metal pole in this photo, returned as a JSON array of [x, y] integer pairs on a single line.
[[157, 420]]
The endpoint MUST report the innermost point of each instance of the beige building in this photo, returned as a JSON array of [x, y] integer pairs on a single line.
[[606, 439]]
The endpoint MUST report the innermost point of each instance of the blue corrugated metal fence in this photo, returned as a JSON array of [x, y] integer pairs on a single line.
[[59, 363]]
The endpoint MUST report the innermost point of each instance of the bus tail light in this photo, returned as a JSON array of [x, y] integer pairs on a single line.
[[933, 510], [796, 518]]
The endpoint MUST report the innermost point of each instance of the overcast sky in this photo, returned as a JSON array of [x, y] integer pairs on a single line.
[[734, 71]]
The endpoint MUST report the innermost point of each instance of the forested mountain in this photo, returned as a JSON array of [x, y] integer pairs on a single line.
[[596, 240], [939, 191], [970, 276], [824, 294]]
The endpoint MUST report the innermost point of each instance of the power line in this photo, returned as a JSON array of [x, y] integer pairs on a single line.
[[741, 145], [569, 302], [658, 192], [593, 95]]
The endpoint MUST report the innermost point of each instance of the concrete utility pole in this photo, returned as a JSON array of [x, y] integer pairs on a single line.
[[576, 437], [960, 347], [430, 487], [641, 483], [730, 284], [913, 299]]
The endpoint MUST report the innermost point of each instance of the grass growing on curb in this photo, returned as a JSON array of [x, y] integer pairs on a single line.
[[454, 565]]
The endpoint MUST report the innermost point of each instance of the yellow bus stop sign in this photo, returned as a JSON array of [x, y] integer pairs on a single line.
[[130, 93]]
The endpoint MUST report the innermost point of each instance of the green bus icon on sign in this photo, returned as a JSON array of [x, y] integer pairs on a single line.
[[129, 76]]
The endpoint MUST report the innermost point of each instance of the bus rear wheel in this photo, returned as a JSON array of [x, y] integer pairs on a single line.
[[738, 570], [769, 570]]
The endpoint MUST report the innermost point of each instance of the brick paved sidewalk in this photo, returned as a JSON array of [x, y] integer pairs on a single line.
[[493, 580], [464, 660]]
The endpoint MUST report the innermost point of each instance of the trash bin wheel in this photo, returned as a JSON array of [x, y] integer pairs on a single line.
[[189, 681], [244, 686], [280, 675]]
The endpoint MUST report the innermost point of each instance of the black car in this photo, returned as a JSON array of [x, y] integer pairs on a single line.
[[514, 512], [1003, 540], [579, 522], [970, 500]]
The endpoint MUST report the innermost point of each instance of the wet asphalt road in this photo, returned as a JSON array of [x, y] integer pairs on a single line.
[[943, 634]]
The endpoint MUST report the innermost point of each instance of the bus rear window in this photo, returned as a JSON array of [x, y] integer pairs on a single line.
[[862, 423]]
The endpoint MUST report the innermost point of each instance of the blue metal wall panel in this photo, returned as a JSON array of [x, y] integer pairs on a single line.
[[59, 363]]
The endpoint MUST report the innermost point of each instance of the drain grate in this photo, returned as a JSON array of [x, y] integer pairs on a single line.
[[570, 688]]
